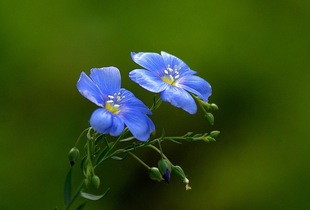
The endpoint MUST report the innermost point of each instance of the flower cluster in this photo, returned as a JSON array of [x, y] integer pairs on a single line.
[[164, 74], [120, 112]]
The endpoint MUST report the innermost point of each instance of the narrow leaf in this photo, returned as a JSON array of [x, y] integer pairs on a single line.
[[80, 207], [103, 153], [93, 197], [118, 158], [174, 141], [67, 190]]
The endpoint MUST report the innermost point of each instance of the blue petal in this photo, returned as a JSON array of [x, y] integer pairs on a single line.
[[89, 90], [196, 85], [129, 101], [173, 61], [101, 120], [139, 124], [148, 80], [150, 61], [117, 126], [108, 79], [179, 98]]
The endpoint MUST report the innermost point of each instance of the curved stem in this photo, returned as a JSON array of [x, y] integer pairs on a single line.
[[157, 150], [138, 159], [80, 136]]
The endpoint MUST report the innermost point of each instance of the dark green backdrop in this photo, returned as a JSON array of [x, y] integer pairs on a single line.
[[255, 54]]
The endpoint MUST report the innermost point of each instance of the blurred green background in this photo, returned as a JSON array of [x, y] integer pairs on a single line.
[[255, 54]]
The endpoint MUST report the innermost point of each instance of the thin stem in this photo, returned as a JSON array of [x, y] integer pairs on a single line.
[[161, 151], [75, 195], [138, 159], [157, 150], [156, 104], [80, 136], [200, 103], [109, 154]]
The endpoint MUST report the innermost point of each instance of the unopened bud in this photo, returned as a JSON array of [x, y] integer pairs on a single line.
[[178, 172], [209, 117], [155, 174], [73, 155], [86, 182], [96, 181], [208, 138], [214, 134], [165, 169], [214, 107]]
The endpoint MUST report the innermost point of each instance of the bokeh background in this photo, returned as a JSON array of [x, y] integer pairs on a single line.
[[255, 54]]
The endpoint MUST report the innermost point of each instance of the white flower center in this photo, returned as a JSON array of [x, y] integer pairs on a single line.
[[112, 105], [171, 75]]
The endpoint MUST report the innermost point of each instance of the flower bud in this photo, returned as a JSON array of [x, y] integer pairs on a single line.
[[214, 134], [214, 107], [86, 182], [208, 107], [155, 174], [165, 169], [209, 117], [178, 172], [73, 155], [96, 181], [208, 138]]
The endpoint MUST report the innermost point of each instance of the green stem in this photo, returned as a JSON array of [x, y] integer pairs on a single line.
[[80, 136], [109, 153], [156, 104], [75, 195], [157, 150], [161, 151], [138, 159], [200, 104]]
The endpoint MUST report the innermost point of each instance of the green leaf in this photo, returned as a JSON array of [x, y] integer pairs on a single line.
[[67, 190], [118, 158], [174, 141], [80, 207], [93, 197]]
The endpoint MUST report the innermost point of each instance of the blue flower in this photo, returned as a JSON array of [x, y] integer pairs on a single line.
[[118, 106], [171, 77]]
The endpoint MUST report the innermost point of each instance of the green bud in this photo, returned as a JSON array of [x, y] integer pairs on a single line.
[[163, 164], [178, 172], [73, 155], [155, 174], [86, 182], [96, 181], [214, 107], [208, 139], [209, 107], [209, 117], [165, 169], [214, 134]]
